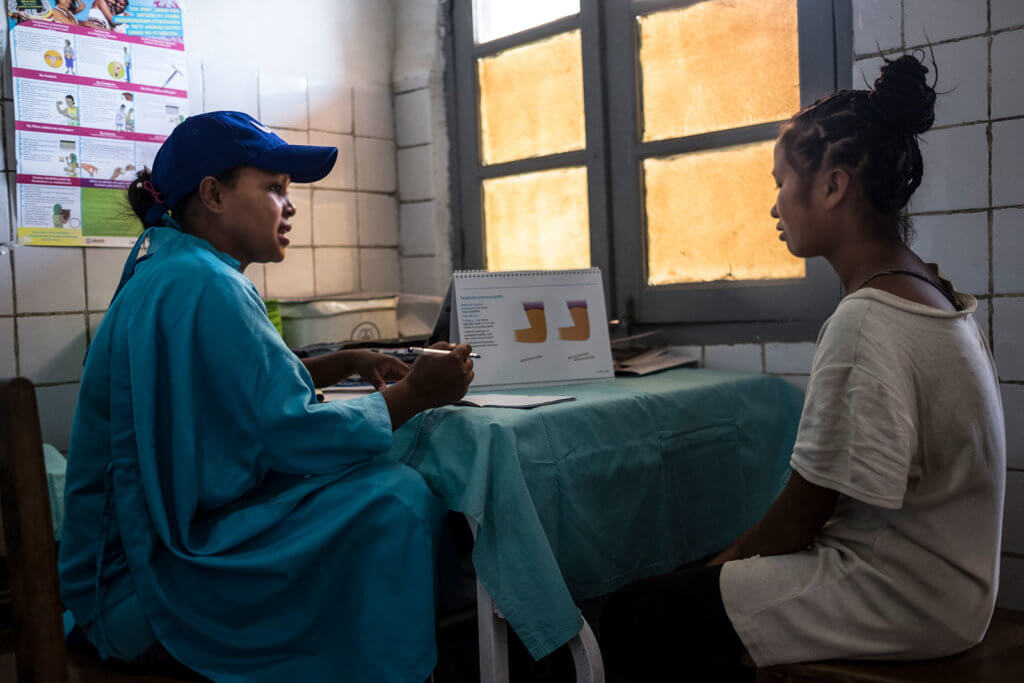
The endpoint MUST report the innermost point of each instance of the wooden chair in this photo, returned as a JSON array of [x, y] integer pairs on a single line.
[[40, 652], [998, 658]]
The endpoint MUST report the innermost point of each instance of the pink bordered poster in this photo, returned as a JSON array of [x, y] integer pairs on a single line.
[[98, 85]]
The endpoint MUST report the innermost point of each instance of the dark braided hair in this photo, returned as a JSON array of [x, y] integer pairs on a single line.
[[873, 133]]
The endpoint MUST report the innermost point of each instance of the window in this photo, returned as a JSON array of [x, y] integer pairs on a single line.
[[637, 137]]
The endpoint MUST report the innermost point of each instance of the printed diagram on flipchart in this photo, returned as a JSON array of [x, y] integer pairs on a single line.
[[537, 330], [533, 326]]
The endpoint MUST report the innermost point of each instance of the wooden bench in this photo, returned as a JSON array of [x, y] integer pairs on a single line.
[[999, 658], [41, 655]]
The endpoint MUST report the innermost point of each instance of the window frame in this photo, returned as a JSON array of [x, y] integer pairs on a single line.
[[469, 172], [708, 312]]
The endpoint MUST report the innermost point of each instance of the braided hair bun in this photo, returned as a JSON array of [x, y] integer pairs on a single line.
[[873, 133], [902, 97]]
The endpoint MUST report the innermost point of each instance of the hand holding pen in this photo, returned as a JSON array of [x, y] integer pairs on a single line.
[[421, 351], [435, 379]]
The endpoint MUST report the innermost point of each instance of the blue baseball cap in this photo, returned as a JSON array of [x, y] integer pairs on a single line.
[[212, 143]]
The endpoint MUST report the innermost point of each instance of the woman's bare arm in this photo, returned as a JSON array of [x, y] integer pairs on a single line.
[[790, 524]]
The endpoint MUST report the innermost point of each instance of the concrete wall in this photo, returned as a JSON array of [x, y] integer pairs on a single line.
[[319, 76]]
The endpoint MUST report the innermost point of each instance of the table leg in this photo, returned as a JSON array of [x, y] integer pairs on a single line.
[[492, 630], [492, 633], [492, 636], [586, 656]]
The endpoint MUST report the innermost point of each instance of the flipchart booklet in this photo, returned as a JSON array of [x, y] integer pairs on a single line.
[[531, 328]]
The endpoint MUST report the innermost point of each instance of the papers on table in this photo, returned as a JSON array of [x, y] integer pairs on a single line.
[[511, 400], [658, 358], [348, 392]]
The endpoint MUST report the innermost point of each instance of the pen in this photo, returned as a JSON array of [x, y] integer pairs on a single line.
[[419, 351]]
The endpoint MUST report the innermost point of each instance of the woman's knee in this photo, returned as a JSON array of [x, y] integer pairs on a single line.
[[406, 491]]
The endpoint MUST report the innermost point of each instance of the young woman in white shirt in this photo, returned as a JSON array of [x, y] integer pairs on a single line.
[[884, 544]]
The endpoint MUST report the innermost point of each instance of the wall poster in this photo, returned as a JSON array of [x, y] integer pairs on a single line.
[[98, 85]]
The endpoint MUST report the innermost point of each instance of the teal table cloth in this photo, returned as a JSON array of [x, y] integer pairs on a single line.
[[634, 478]]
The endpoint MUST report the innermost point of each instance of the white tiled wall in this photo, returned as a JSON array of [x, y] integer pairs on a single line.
[[1008, 251], [744, 357], [335, 218], [956, 170], [788, 359], [415, 175], [1007, 151], [1013, 406], [330, 106], [343, 175], [422, 142], [345, 235], [375, 164], [283, 100], [1007, 13], [937, 20], [963, 80], [231, 87], [877, 24], [951, 240], [373, 115], [378, 269]]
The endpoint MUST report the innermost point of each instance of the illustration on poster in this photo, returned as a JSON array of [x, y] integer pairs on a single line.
[[175, 72], [174, 117], [118, 172], [69, 57], [102, 13], [61, 216], [70, 112], [63, 12], [53, 59], [68, 75], [71, 165], [116, 70]]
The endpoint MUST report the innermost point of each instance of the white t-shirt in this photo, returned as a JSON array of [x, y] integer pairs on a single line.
[[903, 418]]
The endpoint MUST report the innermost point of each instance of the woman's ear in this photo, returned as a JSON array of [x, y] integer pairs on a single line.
[[210, 194], [836, 185]]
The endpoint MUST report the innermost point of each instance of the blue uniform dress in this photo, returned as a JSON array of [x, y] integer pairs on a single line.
[[210, 498]]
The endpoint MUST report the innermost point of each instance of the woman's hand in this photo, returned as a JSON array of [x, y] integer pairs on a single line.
[[375, 368], [728, 555], [441, 380], [378, 369], [433, 380]]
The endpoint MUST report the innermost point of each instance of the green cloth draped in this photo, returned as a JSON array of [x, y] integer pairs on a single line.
[[633, 479]]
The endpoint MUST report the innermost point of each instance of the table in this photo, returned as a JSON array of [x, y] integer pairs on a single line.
[[634, 478]]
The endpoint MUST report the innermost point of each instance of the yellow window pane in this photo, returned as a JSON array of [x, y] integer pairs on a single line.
[[537, 220], [708, 218], [718, 64], [531, 100]]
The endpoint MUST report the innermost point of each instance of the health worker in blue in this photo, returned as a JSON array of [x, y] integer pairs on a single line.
[[216, 513]]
